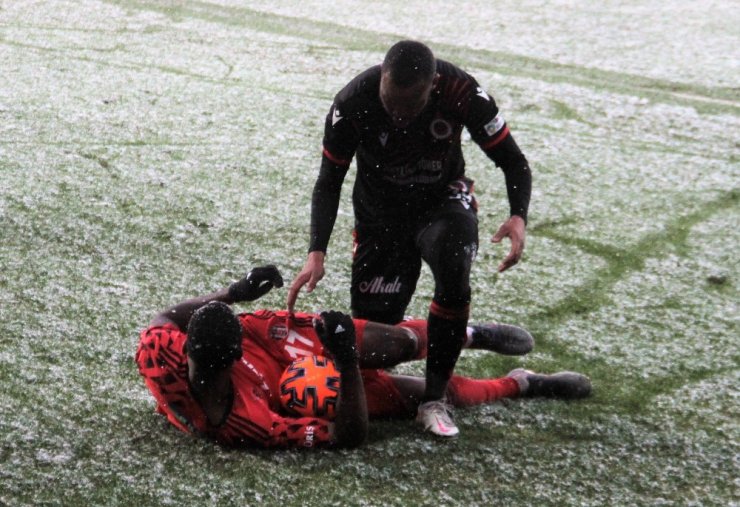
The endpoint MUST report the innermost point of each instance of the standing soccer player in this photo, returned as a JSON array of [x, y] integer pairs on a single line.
[[403, 120]]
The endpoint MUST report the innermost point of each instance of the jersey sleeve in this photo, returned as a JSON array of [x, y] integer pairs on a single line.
[[489, 130], [474, 107], [340, 136], [340, 143], [325, 201], [484, 122], [162, 362]]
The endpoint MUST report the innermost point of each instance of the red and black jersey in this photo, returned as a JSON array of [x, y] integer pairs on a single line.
[[269, 343], [403, 172], [254, 419]]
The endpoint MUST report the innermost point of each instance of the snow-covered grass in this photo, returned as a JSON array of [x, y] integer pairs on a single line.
[[151, 151]]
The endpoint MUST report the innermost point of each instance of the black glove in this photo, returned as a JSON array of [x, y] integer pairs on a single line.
[[256, 283], [337, 332]]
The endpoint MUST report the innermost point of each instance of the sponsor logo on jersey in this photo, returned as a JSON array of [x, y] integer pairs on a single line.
[[479, 92], [336, 116], [434, 166], [378, 285], [383, 138], [440, 129], [494, 125], [424, 171], [278, 332]]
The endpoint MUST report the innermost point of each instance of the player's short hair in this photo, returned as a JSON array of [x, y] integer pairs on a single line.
[[214, 336], [409, 62]]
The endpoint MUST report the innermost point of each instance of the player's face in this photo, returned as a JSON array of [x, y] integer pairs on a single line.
[[404, 104]]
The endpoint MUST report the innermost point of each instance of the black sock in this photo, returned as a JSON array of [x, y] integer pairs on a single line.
[[446, 330]]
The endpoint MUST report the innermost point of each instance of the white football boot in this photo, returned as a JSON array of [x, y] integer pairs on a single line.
[[436, 417]]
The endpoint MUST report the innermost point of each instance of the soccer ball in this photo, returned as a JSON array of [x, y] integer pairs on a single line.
[[309, 387]]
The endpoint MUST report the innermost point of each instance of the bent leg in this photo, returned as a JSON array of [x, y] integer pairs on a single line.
[[448, 245], [385, 346]]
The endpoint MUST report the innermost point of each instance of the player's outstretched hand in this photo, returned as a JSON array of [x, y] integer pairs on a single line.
[[256, 283], [337, 332], [514, 229], [312, 272]]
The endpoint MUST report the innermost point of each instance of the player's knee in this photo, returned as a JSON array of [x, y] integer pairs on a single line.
[[398, 351], [452, 262], [452, 291], [408, 343], [458, 256]]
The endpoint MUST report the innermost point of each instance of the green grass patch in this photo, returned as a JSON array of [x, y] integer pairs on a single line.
[[151, 151]]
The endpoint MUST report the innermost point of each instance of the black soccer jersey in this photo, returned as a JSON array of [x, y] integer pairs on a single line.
[[401, 172]]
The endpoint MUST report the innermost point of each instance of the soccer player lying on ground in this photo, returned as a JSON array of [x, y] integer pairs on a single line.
[[216, 374]]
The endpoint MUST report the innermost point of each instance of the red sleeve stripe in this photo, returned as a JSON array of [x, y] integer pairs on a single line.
[[499, 137], [334, 159]]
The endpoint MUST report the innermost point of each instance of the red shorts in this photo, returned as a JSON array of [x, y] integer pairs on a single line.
[[384, 400]]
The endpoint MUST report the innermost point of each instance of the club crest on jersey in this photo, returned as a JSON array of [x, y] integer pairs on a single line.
[[278, 332], [494, 125], [440, 129]]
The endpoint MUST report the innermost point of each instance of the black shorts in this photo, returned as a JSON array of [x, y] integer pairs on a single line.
[[387, 257]]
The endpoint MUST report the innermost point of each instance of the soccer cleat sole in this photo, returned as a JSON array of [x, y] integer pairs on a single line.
[[506, 339], [564, 385]]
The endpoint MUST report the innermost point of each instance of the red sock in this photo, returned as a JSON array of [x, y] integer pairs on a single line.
[[466, 392], [419, 328]]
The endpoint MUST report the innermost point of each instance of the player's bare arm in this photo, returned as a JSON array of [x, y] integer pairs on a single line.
[[256, 283]]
